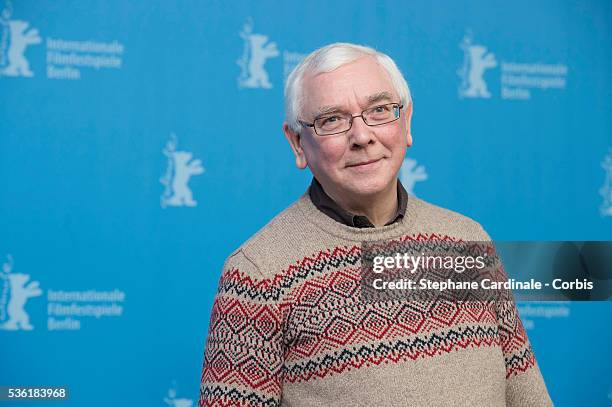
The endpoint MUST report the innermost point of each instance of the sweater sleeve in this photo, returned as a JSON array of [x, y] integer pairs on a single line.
[[525, 385], [243, 358]]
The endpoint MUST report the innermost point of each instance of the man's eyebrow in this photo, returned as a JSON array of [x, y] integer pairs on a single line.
[[374, 98], [328, 109], [379, 97]]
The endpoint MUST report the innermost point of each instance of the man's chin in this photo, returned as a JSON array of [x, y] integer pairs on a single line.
[[367, 188]]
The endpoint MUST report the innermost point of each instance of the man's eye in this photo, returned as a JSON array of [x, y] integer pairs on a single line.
[[381, 109], [329, 120]]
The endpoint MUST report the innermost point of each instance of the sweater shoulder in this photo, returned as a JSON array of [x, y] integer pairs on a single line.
[[436, 219], [275, 240]]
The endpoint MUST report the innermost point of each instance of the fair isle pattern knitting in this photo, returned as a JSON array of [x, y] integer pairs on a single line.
[[289, 327]]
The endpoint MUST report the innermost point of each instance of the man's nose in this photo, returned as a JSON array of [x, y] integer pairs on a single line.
[[360, 133]]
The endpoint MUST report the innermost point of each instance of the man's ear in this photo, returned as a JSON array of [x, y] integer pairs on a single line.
[[408, 130], [295, 142]]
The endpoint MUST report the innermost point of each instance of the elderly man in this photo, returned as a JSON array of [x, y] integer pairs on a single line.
[[288, 325]]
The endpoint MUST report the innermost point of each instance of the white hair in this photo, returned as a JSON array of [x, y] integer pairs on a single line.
[[328, 59]]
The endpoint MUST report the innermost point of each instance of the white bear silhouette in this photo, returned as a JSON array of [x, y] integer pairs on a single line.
[[257, 51], [20, 293], [19, 40], [479, 61], [179, 171], [606, 190], [410, 174], [172, 401]]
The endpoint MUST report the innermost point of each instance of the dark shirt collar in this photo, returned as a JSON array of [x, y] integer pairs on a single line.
[[328, 206]]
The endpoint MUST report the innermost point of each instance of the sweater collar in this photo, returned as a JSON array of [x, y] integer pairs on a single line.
[[328, 206]]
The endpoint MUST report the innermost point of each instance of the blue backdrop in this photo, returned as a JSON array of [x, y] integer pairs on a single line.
[[141, 142]]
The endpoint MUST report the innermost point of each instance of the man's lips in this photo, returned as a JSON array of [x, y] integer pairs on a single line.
[[359, 164]]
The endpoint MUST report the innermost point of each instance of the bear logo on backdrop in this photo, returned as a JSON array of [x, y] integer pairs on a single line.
[[256, 51], [173, 401], [15, 37], [518, 79], [15, 294], [606, 190], [411, 173], [65, 59], [65, 310], [180, 168], [476, 60]]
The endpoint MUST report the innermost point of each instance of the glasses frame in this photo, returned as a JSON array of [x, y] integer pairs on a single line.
[[400, 106]]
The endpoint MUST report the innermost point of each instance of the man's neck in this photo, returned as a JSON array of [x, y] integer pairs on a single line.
[[378, 208]]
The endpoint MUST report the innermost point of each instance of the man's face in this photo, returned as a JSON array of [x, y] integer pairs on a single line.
[[365, 160]]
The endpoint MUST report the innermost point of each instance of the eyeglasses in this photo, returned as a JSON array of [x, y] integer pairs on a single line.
[[342, 122]]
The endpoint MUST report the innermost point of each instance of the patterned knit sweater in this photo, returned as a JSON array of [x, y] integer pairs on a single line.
[[288, 326]]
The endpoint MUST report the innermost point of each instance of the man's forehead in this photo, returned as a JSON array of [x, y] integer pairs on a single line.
[[378, 97], [362, 80]]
